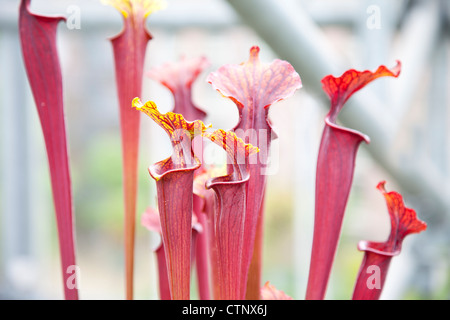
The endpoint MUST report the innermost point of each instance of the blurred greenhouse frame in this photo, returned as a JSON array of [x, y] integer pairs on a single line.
[[407, 120]]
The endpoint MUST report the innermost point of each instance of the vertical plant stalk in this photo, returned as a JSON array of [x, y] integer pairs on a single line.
[[40, 54], [129, 48], [334, 175], [255, 270], [174, 178], [150, 220], [378, 255], [178, 77], [197, 231], [205, 199], [202, 250], [230, 213], [254, 87], [163, 278]]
